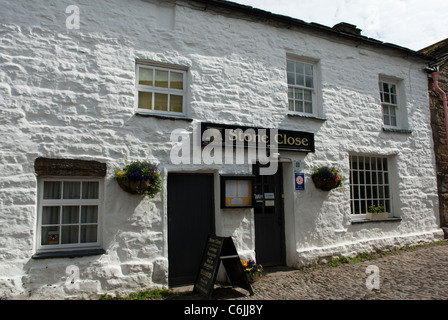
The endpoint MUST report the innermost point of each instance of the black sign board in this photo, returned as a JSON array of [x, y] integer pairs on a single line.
[[231, 135], [216, 250]]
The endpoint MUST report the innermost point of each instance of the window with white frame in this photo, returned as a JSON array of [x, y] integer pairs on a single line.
[[389, 102], [369, 183], [161, 90], [69, 213], [301, 78]]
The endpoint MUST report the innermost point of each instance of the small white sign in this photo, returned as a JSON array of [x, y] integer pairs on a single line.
[[297, 165]]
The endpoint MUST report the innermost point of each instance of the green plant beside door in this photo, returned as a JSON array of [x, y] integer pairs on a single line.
[[252, 270]]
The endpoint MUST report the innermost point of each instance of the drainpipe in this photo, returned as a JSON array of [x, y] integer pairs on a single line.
[[435, 74], [435, 78]]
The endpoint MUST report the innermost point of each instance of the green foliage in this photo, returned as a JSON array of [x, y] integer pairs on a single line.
[[142, 171], [252, 269], [375, 209], [327, 173], [376, 255], [358, 258], [138, 170], [150, 294]]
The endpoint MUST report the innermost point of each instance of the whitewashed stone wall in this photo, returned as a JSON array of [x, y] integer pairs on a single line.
[[70, 94]]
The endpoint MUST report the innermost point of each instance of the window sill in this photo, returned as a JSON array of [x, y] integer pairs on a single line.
[[363, 220], [396, 130], [305, 116], [164, 117], [68, 253]]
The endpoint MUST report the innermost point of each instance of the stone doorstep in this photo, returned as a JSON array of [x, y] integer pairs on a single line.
[[445, 232], [182, 289]]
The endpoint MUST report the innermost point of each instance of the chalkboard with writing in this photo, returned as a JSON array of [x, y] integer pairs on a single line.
[[216, 250]]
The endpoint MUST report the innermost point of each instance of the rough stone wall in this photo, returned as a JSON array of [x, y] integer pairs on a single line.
[[440, 142], [70, 93]]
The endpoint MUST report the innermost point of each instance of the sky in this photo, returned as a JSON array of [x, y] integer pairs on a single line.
[[413, 24]]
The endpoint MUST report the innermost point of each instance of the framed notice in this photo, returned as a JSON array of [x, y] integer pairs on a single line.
[[236, 191]]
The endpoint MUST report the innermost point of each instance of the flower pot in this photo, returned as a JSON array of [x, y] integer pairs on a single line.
[[253, 277], [377, 215], [325, 184], [134, 187]]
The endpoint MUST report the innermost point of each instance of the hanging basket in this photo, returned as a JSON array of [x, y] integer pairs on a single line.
[[134, 187], [140, 177], [325, 184]]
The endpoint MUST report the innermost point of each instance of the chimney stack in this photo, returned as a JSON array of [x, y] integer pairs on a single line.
[[347, 28]]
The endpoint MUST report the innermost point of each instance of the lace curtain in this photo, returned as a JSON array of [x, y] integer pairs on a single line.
[[70, 214]]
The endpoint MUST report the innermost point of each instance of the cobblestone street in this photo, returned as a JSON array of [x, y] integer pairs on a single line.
[[416, 274]]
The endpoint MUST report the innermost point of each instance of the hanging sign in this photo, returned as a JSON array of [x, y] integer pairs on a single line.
[[299, 181], [287, 140]]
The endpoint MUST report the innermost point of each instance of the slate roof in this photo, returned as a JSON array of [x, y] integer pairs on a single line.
[[342, 30], [438, 50]]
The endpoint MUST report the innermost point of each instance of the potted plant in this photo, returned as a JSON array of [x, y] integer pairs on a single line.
[[376, 213], [140, 177], [326, 178], [252, 270]]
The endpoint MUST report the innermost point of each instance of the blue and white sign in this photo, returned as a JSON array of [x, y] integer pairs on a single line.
[[299, 181], [297, 165]]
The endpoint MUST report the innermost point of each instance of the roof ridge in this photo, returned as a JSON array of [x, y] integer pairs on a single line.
[[341, 29]]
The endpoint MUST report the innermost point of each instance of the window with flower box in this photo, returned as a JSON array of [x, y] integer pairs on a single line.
[[369, 184]]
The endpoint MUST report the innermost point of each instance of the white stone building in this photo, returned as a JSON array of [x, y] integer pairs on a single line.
[[88, 86]]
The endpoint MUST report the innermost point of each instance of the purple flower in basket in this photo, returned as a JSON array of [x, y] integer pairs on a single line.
[[145, 174]]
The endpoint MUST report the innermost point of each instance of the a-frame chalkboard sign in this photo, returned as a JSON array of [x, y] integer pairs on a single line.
[[216, 250]]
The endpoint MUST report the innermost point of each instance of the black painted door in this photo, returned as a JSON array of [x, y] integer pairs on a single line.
[[190, 221], [269, 218]]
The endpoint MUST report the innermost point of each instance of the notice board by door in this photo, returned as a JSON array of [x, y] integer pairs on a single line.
[[190, 221]]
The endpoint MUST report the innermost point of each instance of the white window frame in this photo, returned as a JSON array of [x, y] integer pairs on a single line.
[[369, 186], [304, 88], [69, 202], [392, 104], [154, 90]]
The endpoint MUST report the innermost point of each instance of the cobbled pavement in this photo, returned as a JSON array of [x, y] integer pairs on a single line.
[[414, 274]]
